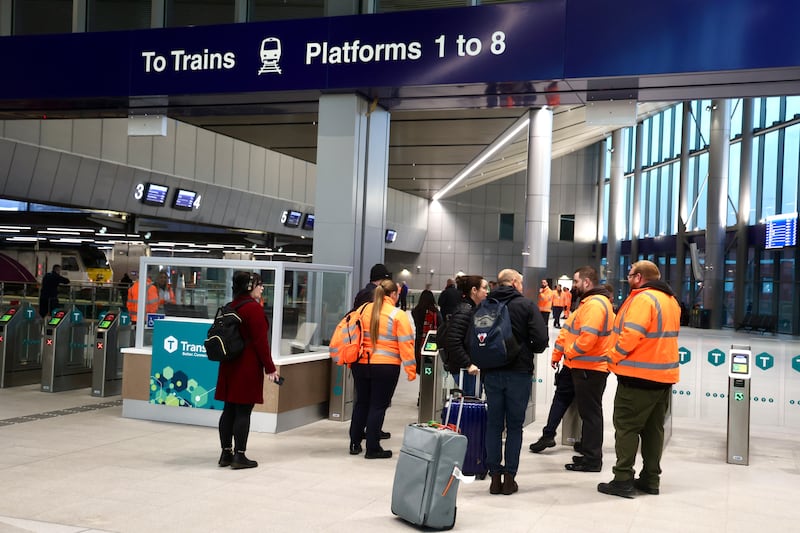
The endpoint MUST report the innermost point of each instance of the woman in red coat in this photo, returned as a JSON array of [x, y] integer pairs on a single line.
[[240, 382]]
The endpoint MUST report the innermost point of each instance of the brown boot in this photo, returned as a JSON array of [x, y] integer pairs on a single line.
[[497, 484], [509, 485]]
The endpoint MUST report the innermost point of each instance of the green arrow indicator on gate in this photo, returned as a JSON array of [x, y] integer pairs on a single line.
[[428, 371], [738, 396]]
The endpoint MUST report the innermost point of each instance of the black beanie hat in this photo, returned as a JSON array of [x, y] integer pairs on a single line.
[[379, 272]]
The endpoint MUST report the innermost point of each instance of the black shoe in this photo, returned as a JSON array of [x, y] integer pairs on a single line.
[[542, 443], [640, 485], [226, 458], [355, 448], [578, 459], [240, 461], [382, 435], [496, 486], [583, 466], [577, 447], [623, 489], [378, 454], [509, 484]]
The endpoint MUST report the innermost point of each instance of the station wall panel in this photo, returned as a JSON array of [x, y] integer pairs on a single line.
[[164, 151], [223, 161]]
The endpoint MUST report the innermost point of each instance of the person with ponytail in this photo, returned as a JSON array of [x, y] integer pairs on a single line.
[[388, 345]]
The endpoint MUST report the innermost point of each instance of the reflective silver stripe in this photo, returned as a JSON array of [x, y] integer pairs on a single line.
[[605, 303], [620, 350], [661, 335], [592, 358], [409, 363], [595, 331], [335, 359], [334, 351], [635, 327], [386, 353], [390, 323], [405, 338], [650, 366], [576, 349], [572, 330], [558, 347]]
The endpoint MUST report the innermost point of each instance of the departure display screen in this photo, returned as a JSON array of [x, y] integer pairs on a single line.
[[8, 315], [56, 318], [155, 194], [430, 343], [107, 321], [781, 231], [184, 199]]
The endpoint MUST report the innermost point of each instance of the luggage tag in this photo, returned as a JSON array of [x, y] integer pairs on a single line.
[[459, 475]]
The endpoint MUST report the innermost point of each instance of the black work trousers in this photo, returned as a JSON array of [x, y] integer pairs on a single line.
[[234, 425], [589, 388], [374, 386], [562, 399]]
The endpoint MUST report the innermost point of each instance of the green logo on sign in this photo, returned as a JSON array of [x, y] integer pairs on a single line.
[[738, 396], [716, 357], [428, 371], [765, 361], [684, 355]]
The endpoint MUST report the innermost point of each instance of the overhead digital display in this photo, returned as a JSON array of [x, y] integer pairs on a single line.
[[781, 231], [155, 194], [184, 199], [293, 219], [308, 222], [391, 235]]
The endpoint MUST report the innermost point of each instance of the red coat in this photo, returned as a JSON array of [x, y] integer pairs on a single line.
[[242, 380]]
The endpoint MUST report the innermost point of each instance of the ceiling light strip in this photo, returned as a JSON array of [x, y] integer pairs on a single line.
[[496, 145]]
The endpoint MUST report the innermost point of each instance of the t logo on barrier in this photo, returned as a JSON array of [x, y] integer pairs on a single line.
[[716, 357], [765, 361], [684, 355], [170, 344]]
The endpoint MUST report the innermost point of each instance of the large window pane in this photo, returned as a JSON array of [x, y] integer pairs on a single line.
[[29, 17], [770, 179], [200, 12], [734, 161], [754, 174], [108, 15], [773, 110], [655, 140], [792, 106], [286, 9], [676, 141], [667, 134], [736, 117], [790, 156]]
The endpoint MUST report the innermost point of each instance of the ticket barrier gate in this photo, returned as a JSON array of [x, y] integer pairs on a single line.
[[66, 358], [571, 425], [340, 403], [738, 446], [114, 332], [20, 346], [432, 388]]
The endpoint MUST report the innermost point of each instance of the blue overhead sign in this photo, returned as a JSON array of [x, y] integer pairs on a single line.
[[519, 42]]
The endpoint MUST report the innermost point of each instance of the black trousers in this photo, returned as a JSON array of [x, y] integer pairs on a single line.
[[589, 388], [562, 399], [375, 386], [234, 425]]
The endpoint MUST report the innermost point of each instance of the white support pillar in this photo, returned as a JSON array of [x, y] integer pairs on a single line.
[[352, 178], [616, 210], [537, 205]]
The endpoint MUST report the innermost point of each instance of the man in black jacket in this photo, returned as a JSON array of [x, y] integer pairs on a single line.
[[508, 388], [377, 273], [449, 299]]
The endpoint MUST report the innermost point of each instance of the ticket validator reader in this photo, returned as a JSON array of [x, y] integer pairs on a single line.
[[66, 359], [20, 346], [114, 332], [432, 391], [340, 402], [741, 363]]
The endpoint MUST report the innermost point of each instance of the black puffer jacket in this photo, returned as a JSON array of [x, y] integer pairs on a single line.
[[457, 356], [527, 326]]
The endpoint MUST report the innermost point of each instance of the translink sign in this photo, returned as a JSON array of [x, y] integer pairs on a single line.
[[172, 345]]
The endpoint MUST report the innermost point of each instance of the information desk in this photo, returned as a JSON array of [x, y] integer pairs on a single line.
[[173, 381]]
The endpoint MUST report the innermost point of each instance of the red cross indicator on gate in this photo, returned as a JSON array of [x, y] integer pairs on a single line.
[[49, 342], [99, 345]]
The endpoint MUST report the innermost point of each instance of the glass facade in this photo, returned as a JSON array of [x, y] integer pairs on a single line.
[[771, 276]]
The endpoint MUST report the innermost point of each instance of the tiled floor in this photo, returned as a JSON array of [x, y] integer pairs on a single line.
[[92, 470]]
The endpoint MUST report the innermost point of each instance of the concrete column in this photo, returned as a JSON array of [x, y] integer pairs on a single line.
[[241, 10], [78, 16], [352, 178], [158, 14], [683, 201], [616, 210], [745, 169], [718, 151], [636, 208], [537, 203]]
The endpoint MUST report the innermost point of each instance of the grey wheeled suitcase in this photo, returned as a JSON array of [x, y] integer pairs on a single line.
[[425, 487]]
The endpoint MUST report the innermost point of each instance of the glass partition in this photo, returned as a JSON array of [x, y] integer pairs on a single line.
[[303, 302]]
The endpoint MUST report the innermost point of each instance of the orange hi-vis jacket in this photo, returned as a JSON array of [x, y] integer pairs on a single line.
[[559, 299], [645, 337], [546, 299], [395, 343], [585, 339], [567, 302]]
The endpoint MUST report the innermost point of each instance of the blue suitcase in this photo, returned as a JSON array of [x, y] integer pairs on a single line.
[[470, 420]]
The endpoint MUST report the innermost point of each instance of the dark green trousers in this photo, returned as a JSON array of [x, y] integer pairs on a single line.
[[639, 413]]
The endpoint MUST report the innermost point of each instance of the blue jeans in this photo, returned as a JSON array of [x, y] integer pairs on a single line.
[[507, 395]]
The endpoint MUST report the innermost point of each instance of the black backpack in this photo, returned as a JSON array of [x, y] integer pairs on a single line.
[[224, 341], [490, 339]]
